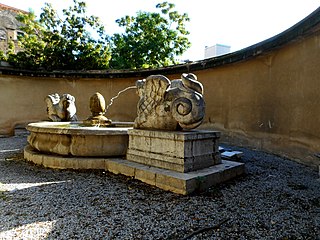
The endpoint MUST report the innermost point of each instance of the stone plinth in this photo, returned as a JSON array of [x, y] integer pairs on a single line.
[[177, 182], [180, 151], [177, 161]]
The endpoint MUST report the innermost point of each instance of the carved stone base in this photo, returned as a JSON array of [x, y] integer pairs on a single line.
[[177, 182], [181, 183], [180, 151], [177, 161], [100, 121]]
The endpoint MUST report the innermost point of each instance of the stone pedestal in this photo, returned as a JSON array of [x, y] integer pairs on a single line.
[[180, 151], [178, 161]]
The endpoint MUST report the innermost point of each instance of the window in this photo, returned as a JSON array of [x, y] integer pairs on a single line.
[[20, 34], [3, 35]]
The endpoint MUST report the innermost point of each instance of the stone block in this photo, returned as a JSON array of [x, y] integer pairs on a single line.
[[161, 161], [186, 183], [146, 176], [66, 163], [49, 162], [181, 151], [171, 183], [119, 166], [217, 158], [31, 156], [91, 163]]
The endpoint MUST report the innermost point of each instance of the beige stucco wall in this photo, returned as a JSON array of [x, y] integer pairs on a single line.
[[270, 101], [22, 98]]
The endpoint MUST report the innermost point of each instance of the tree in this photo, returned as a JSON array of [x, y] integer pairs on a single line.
[[55, 43], [150, 39]]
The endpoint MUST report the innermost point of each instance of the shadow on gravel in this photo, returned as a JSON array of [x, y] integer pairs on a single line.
[[275, 199]]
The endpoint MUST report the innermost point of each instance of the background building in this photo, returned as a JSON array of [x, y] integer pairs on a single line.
[[216, 50], [9, 26]]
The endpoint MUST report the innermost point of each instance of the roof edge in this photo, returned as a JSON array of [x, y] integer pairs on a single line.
[[4, 6]]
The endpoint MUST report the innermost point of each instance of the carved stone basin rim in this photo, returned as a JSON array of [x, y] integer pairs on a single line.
[[73, 139], [77, 128]]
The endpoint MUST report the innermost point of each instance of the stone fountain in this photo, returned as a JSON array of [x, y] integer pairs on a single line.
[[67, 143], [162, 149]]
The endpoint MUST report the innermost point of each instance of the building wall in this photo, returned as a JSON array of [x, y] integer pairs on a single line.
[[9, 26], [216, 50], [22, 98], [266, 96], [270, 102]]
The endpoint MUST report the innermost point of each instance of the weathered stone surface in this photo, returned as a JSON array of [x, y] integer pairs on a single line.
[[166, 105], [62, 162], [98, 109], [177, 182], [119, 166], [185, 183], [181, 151], [71, 139], [61, 108]]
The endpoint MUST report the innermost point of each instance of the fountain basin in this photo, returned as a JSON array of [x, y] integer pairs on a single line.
[[74, 139]]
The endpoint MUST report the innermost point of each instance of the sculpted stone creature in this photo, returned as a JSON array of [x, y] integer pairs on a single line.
[[61, 108], [166, 105]]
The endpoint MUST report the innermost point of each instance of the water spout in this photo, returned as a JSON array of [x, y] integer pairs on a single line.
[[115, 97]]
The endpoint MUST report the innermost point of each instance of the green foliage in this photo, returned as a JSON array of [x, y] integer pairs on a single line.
[[150, 39], [2, 56], [55, 43]]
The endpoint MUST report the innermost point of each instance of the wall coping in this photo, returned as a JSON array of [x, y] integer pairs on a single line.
[[301, 30]]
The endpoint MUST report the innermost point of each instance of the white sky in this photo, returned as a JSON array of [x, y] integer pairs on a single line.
[[237, 23]]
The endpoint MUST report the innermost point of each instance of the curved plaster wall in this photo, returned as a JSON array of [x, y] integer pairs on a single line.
[[265, 96]]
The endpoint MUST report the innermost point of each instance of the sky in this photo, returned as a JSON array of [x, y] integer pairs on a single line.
[[236, 23]]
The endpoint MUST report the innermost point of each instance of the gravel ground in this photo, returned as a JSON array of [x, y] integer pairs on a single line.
[[275, 199]]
